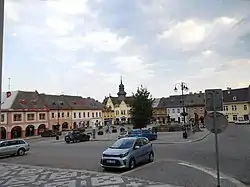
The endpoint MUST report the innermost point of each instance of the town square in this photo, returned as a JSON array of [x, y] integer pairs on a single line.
[[122, 93]]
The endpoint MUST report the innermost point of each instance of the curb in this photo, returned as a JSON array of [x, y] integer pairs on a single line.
[[188, 141]]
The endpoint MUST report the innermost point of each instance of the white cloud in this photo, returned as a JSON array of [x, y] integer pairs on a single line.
[[207, 52], [104, 40], [192, 34], [62, 7], [188, 31], [134, 65], [59, 26], [11, 11]]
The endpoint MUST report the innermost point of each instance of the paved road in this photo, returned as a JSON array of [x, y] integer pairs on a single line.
[[30, 176], [178, 164]]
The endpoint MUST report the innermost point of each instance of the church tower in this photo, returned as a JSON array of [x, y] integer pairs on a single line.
[[121, 94]]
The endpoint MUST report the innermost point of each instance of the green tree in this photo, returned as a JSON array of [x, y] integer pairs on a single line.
[[141, 109]]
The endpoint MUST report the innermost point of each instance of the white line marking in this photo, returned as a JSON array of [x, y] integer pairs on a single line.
[[213, 173]]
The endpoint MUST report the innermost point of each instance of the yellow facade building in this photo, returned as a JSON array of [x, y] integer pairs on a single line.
[[120, 106], [236, 104], [108, 115]]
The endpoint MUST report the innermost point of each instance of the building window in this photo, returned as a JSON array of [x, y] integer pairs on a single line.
[[201, 109], [173, 110], [245, 107], [117, 112], [234, 98], [225, 108], [93, 114], [2, 117], [234, 108], [30, 117], [52, 115], [67, 114], [96, 114], [62, 114], [58, 114], [42, 116], [235, 117], [88, 114], [168, 111], [74, 115], [100, 114], [17, 117], [178, 110], [84, 114], [79, 114], [226, 116]]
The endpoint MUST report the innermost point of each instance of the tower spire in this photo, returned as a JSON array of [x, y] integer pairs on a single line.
[[121, 94], [121, 79]]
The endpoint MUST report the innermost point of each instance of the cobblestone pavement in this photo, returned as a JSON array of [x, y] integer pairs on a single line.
[[13, 175]]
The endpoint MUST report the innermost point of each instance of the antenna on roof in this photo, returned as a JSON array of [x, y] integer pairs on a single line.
[[9, 85]]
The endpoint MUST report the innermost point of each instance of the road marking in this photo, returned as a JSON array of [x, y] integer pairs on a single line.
[[213, 173]]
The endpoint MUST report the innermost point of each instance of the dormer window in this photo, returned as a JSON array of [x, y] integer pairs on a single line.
[[22, 101], [33, 102], [74, 102], [234, 98]]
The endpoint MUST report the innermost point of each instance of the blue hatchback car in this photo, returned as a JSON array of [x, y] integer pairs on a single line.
[[143, 133]]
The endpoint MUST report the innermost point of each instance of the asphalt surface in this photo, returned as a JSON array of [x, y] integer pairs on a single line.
[[189, 164]]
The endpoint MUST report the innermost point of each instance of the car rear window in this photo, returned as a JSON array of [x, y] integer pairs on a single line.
[[146, 131], [135, 132]]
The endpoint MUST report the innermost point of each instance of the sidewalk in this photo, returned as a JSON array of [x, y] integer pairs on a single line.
[[176, 137]]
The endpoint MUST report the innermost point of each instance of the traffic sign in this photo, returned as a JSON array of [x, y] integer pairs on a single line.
[[220, 121], [214, 100]]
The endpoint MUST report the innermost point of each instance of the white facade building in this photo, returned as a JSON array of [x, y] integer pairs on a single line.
[[175, 114], [86, 117]]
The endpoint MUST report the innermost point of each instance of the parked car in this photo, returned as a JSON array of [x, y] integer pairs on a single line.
[[76, 136], [242, 122], [143, 133], [123, 134], [13, 147], [127, 153], [50, 133]]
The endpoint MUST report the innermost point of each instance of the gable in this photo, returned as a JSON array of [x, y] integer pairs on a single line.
[[6, 103]]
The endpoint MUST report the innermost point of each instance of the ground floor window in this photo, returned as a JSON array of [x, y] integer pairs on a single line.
[[246, 117], [235, 117]]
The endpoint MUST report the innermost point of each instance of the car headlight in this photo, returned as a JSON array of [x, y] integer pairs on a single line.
[[124, 155]]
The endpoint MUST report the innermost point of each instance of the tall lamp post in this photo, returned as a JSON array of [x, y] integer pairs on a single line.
[[58, 105], [1, 49], [183, 87]]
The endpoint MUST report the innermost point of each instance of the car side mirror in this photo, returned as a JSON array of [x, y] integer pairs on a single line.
[[137, 147]]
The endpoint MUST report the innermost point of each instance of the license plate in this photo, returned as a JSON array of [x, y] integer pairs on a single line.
[[111, 161]]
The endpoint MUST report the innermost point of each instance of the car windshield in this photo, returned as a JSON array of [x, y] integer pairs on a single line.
[[123, 144]]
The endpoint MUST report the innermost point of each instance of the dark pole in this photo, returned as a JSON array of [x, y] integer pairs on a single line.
[[183, 105], [58, 116]]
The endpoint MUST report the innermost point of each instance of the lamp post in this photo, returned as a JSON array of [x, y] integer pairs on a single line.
[[1, 50], [183, 87], [58, 105]]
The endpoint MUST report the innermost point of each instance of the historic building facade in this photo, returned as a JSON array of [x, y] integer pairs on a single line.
[[236, 104], [120, 105], [160, 110], [24, 114]]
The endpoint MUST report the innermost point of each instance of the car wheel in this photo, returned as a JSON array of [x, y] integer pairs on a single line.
[[132, 163], [74, 141], [67, 141], [151, 157], [21, 152]]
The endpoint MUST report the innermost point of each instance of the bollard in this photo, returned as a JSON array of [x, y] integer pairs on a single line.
[[93, 133], [57, 137], [184, 134]]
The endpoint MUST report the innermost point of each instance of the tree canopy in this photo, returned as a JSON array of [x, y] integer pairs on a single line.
[[141, 109]]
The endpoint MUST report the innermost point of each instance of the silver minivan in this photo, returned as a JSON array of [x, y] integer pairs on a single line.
[[13, 147], [127, 153]]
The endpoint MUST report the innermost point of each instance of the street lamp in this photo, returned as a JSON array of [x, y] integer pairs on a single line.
[[58, 105], [183, 87]]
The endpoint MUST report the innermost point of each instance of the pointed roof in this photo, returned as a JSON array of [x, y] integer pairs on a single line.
[[6, 103]]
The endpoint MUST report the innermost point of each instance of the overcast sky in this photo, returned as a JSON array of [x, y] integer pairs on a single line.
[[84, 46]]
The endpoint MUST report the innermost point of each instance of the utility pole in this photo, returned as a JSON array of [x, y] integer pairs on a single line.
[[9, 85], [1, 51]]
